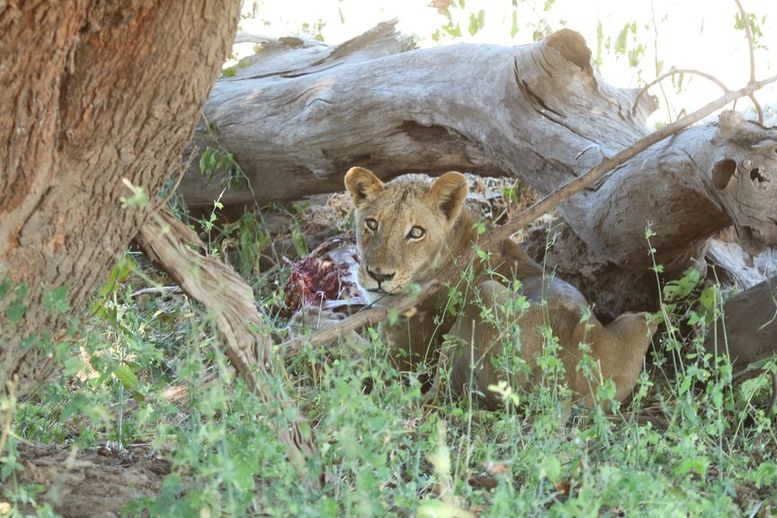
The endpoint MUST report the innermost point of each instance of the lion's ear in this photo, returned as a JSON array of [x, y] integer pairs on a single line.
[[362, 184], [448, 192]]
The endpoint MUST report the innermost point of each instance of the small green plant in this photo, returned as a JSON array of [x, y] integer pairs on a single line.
[[690, 441], [217, 160]]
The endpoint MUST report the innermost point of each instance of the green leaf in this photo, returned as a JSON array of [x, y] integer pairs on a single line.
[[75, 406], [21, 291], [677, 81], [139, 196], [213, 162], [684, 286], [550, 468], [765, 474], [5, 287], [126, 376], [440, 509], [476, 22], [393, 316], [16, 309], [621, 40], [696, 464], [118, 273], [707, 299], [223, 162], [453, 31], [606, 391], [635, 55], [55, 301], [599, 43], [204, 160]]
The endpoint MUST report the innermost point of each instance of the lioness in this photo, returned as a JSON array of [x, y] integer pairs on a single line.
[[407, 230]]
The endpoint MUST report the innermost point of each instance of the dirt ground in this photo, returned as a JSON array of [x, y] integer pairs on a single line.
[[94, 483]]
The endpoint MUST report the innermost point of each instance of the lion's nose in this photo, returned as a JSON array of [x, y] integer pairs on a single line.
[[379, 276]]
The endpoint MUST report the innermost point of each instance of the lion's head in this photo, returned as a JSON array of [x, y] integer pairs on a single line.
[[406, 230]]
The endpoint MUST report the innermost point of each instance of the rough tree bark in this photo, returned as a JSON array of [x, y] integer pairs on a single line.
[[296, 118], [93, 92]]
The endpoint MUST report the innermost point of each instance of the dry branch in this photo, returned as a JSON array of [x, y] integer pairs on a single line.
[[231, 302], [749, 34], [751, 52], [156, 290], [494, 238], [675, 72]]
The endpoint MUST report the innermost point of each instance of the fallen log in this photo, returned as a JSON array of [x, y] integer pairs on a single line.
[[536, 112]]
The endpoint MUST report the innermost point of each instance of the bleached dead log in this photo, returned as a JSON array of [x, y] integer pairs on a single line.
[[537, 112]]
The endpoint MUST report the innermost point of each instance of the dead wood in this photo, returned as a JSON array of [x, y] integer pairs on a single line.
[[537, 112], [493, 240], [245, 334]]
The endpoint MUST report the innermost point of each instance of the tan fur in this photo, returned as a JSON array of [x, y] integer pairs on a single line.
[[389, 255]]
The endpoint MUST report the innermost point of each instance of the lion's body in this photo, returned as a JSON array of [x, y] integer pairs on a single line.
[[389, 220]]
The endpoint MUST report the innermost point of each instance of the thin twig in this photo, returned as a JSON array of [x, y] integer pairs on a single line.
[[758, 110], [157, 290], [184, 167], [656, 62], [676, 71], [751, 50], [494, 239], [750, 42]]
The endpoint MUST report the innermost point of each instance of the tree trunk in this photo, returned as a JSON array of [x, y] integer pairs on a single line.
[[296, 118], [93, 93]]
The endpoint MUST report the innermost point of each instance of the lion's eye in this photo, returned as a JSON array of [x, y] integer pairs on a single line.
[[416, 233], [371, 223]]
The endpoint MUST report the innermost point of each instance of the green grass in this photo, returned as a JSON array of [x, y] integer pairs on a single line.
[[690, 442]]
